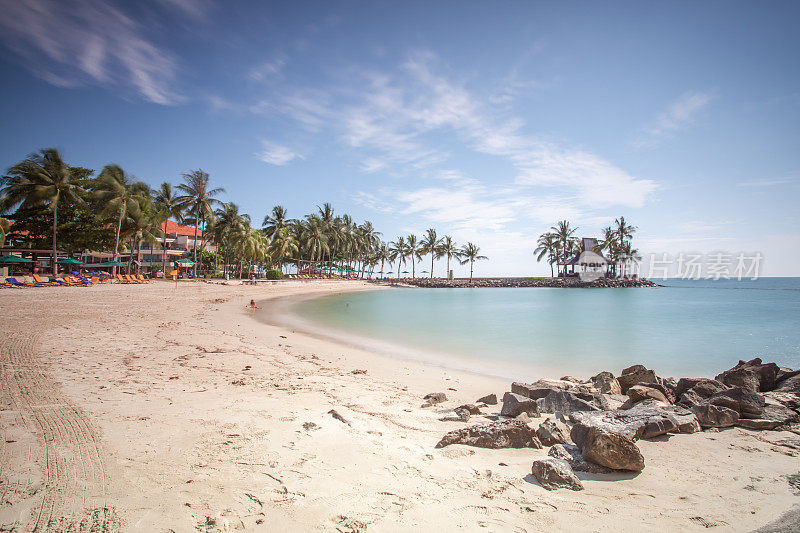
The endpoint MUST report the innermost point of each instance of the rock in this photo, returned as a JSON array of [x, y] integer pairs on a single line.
[[634, 375], [640, 392], [791, 384], [569, 402], [523, 417], [435, 397], [745, 373], [572, 455], [472, 408], [572, 379], [459, 415], [643, 421], [501, 434], [709, 387], [553, 431], [715, 416], [747, 403], [612, 450], [514, 404], [606, 383], [339, 417], [490, 399], [783, 414], [542, 388], [784, 374], [690, 398], [668, 386], [758, 423], [310, 426], [555, 473]]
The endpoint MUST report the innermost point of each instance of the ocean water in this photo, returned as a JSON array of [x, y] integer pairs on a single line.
[[687, 328]]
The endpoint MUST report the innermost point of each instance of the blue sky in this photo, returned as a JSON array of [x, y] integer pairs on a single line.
[[489, 121]]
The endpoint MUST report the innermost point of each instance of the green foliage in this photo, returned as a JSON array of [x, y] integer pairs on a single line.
[[274, 274]]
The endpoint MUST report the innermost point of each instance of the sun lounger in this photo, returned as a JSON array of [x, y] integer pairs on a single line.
[[16, 283], [141, 278], [121, 279], [131, 278], [43, 282]]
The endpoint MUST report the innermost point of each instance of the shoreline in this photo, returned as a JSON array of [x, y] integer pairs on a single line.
[[184, 411]]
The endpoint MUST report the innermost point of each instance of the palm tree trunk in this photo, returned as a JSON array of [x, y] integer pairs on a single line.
[[196, 215], [448, 266], [431, 265], [116, 242], [470, 270], [164, 250], [55, 224]]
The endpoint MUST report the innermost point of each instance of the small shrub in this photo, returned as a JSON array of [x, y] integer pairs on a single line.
[[274, 274]]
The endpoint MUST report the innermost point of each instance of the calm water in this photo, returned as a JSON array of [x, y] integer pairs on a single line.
[[687, 328]]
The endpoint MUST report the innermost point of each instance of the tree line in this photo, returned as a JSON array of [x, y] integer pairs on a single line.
[[560, 244], [63, 205]]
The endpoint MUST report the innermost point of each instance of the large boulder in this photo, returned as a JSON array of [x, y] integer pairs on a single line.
[[543, 387], [640, 392], [784, 374], [555, 473], [758, 424], [501, 434], [569, 402], [643, 421], [572, 454], [515, 404], [791, 385], [606, 383], [746, 374], [612, 450], [703, 387], [747, 403], [715, 416], [490, 399], [635, 374], [553, 431]]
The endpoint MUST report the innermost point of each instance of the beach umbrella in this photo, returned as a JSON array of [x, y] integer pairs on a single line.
[[424, 272], [404, 272], [111, 264], [67, 261], [14, 259], [185, 262]]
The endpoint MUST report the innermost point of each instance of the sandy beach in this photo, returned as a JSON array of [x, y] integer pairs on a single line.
[[163, 408]]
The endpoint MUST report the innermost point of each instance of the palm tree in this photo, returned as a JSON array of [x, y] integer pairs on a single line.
[[275, 220], [5, 227], [430, 245], [282, 246], [470, 253], [547, 245], [228, 222], [314, 239], [399, 251], [413, 252], [168, 207], [141, 225], [250, 243], [43, 178], [448, 249], [566, 241], [198, 199], [382, 254], [118, 192], [624, 230]]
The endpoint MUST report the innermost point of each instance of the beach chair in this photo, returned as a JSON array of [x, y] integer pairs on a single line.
[[95, 280], [121, 279], [142, 278], [43, 282], [17, 283], [131, 278]]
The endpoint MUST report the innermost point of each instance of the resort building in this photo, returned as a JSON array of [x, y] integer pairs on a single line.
[[592, 265]]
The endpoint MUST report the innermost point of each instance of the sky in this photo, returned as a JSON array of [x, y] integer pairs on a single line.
[[488, 121]]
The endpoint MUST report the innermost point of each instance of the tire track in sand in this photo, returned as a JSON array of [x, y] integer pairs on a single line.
[[73, 497]]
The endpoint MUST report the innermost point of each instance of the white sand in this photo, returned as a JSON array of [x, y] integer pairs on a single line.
[[156, 408]]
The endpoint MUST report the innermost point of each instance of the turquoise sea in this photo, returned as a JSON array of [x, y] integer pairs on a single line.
[[687, 328]]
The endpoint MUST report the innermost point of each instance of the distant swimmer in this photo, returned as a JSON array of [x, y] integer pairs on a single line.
[[252, 305]]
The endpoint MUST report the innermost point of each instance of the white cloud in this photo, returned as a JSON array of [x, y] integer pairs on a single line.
[[765, 182], [269, 70], [70, 43], [680, 115], [276, 154]]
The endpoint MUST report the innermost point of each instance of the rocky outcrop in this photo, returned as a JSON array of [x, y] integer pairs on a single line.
[[791, 385], [572, 282], [758, 424], [747, 403], [715, 416], [634, 375], [572, 454], [751, 375], [640, 392], [501, 434], [553, 431], [610, 449], [703, 387], [606, 383], [555, 473], [490, 399], [515, 404], [559, 401], [543, 387]]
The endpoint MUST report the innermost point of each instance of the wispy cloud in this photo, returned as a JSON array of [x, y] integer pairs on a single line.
[[680, 115], [269, 70], [276, 154], [72, 43], [766, 182]]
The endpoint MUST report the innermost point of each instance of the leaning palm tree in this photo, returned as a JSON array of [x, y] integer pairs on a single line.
[[469, 254], [448, 249], [142, 225], [119, 192], [624, 231], [430, 245], [547, 245], [198, 199], [566, 241], [5, 227], [42, 179], [168, 207]]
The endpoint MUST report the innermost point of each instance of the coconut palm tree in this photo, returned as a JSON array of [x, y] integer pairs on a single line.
[[315, 240], [198, 199], [448, 249], [249, 243], [228, 222], [547, 245], [42, 179], [624, 230], [398, 252], [566, 240], [168, 207], [282, 246], [382, 254], [469, 254], [430, 245], [276, 220], [413, 252], [5, 227], [142, 225], [119, 193]]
